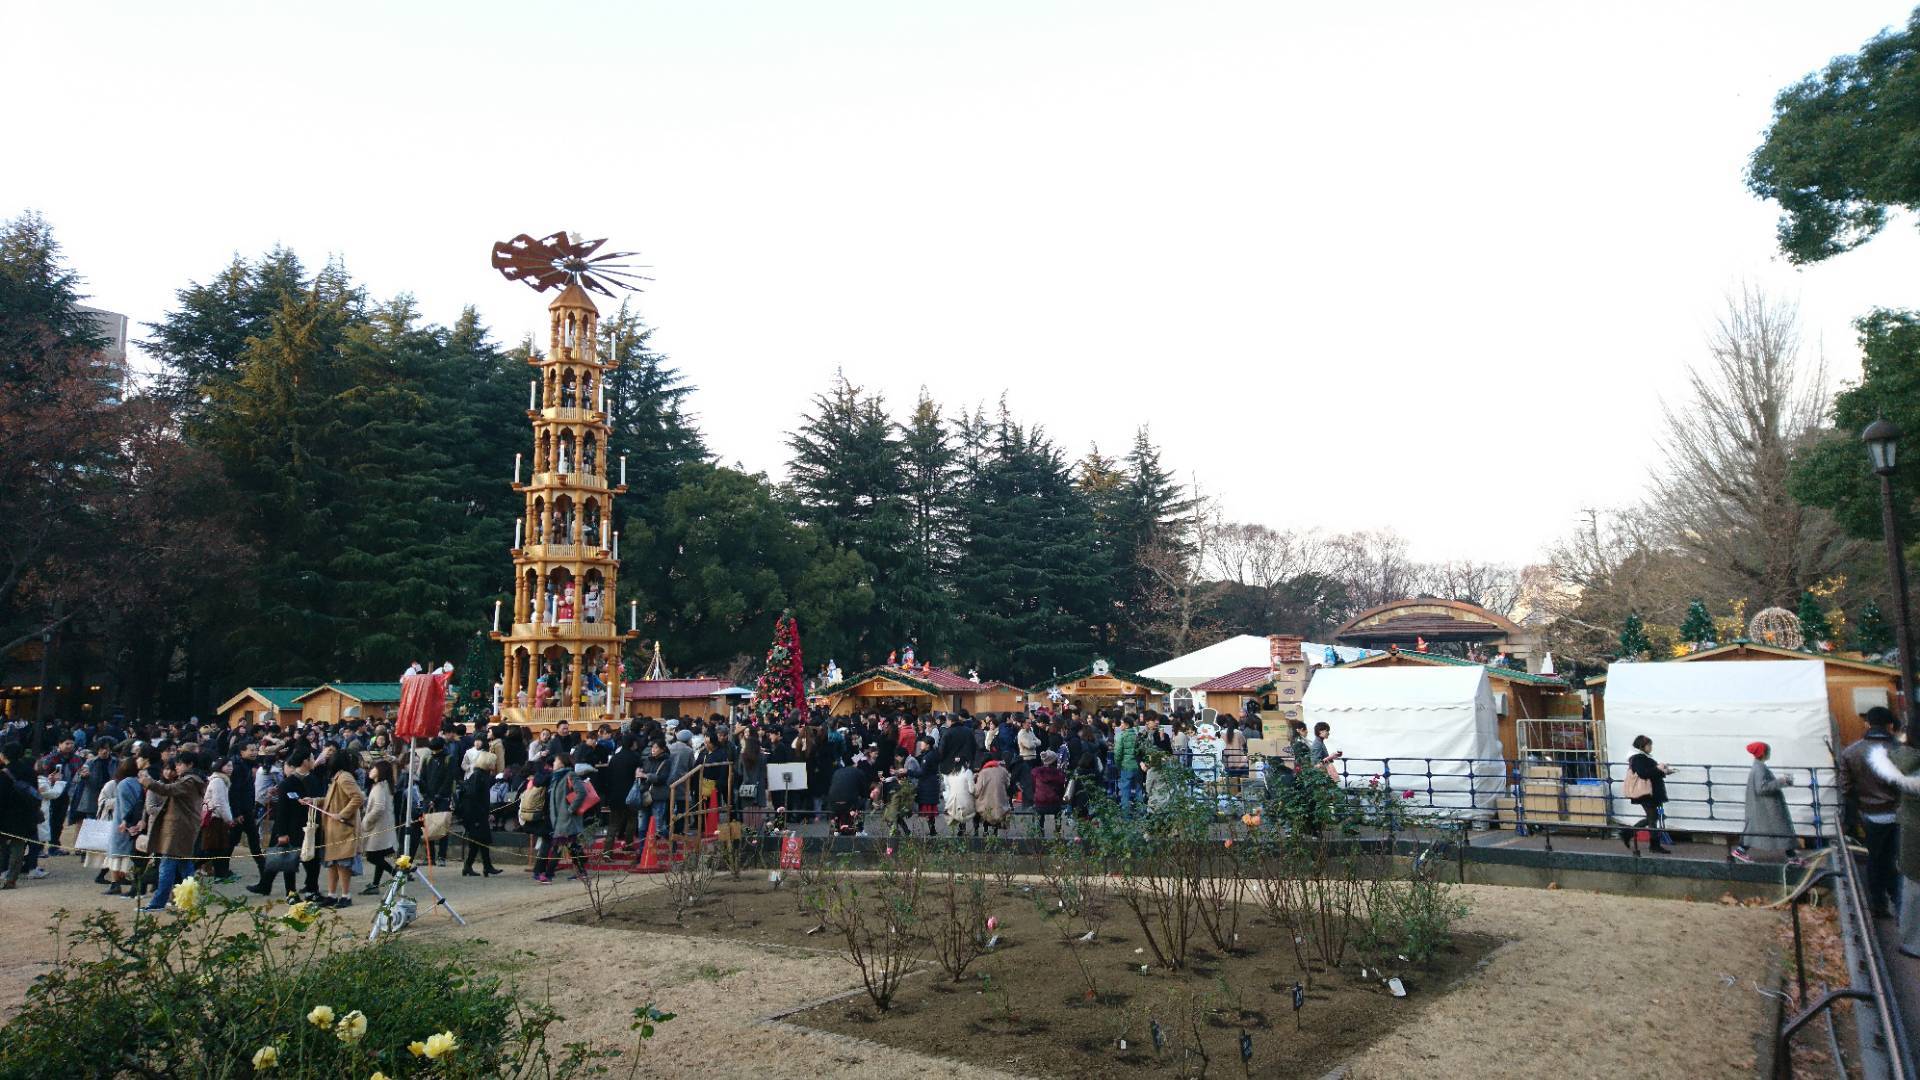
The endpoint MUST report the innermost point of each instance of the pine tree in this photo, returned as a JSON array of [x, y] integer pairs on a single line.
[[1814, 628], [1633, 638], [1871, 633], [1698, 626], [1029, 583], [782, 688], [848, 473], [932, 493]]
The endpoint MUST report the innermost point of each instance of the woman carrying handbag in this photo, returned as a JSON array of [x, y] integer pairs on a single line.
[[1646, 787]]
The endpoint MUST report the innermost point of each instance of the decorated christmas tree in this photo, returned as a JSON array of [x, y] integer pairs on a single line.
[[783, 685], [1871, 634], [1698, 627], [1633, 638], [472, 690], [1813, 621]]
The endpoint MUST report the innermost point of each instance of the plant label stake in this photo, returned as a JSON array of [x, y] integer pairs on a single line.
[[1399, 988], [1299, 1001]]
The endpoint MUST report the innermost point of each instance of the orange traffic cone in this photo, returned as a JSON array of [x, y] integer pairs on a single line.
[[649, 856]]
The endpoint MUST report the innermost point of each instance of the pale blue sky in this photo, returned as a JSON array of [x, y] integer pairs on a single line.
[[1305, 243]]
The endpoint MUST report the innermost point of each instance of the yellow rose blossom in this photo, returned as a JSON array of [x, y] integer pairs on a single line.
[[352, 1027], [186, 896], [440, 1045], [417, 1048], [321, 1016], [265, 1058], [404, 862], [303, 912], [378, 1076]]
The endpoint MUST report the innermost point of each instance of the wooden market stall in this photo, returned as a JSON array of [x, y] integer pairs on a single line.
[[264, 704], [1098, 686], [365, 701], [1853, 686], [918, 690], [671, 699]]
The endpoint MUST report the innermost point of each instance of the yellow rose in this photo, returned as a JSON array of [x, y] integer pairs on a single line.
[[417, 1048], [352, 1027], [378, 1076], [265, 1058], [440, 1045], [303, 912], [186, 896], [404, 862], [321, 1016]]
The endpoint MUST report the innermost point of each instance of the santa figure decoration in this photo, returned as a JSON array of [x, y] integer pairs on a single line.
[[423, 702]]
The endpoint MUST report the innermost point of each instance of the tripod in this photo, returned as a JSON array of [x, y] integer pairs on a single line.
[[396, 907]]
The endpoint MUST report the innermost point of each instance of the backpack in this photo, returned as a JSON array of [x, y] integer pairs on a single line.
[[533, 801]]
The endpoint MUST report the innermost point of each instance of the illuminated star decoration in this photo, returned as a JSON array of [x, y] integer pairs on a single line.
[[554, 261]]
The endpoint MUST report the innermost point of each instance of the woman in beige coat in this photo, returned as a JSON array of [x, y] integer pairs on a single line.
[[340, 827], [377, 838], [992, 795]]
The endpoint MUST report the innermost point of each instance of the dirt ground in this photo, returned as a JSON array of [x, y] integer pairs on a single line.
[[1586, 985]]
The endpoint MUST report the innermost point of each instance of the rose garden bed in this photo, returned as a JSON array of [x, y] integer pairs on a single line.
[[1042, 1001]]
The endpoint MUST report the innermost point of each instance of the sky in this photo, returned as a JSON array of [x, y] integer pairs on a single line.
[[1431, 267]]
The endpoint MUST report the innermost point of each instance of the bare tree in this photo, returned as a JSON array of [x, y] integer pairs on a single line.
[[1374, 566], [1614, 564], [1176, 576], [1494, 586], [1721, 499]]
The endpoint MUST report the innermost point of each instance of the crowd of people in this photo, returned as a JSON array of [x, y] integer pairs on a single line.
[[319, 806]]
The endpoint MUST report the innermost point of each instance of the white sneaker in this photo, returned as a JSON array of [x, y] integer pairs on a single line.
[[38, 872]]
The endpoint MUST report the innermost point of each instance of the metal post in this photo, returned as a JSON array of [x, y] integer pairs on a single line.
[[1897, 570]]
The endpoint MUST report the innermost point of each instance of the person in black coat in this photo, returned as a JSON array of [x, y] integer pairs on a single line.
[[613, 781], [1643, 768], [847, 793], [473, 809], [924, 767]]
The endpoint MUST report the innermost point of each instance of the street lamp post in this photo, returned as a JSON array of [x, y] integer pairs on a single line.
[[1883, 438]]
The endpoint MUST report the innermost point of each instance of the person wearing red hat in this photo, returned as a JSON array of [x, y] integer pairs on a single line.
[[1768, 833]]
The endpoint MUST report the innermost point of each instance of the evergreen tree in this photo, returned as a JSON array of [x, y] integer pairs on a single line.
[[1814, 628], [1633, 638], [932, 491], [1698, 626], [647, 409], [1871, 633], [848, 475], [1028, 580]]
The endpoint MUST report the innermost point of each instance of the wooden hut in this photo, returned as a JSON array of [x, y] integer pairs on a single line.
[[1100, 685], [919, 690], [264, 704], [365, 701], [1853, 686], [670, 699]]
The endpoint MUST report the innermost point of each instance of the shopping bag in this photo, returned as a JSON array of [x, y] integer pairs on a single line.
[[438, 824], [96, 834], [310, 837]]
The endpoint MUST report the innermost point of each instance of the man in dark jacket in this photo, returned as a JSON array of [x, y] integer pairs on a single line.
[[437, 774], [847, 793], [19, 811], [613, 781], [246, 813], [286, 820], [1874, 803]]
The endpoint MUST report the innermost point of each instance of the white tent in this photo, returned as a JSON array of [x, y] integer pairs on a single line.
[[1220, 658], [1701, 716], [1431, 730]]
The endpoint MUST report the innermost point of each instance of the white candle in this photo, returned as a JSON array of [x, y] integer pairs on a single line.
[[623, 470], [633, 615], [496, 616], [533, 394], [602, 391], [516, 468], [616, 547], [518, 525]]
